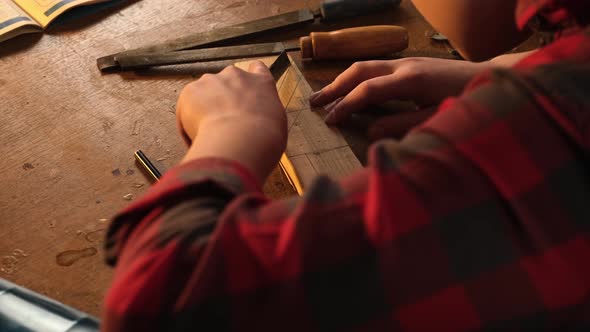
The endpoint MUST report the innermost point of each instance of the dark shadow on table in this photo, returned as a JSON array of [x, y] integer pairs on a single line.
[[19, 43], [85, 16]]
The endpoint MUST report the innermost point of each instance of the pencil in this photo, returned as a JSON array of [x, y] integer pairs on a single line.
[[147, 165]]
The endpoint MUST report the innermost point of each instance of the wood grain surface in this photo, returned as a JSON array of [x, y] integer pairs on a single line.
[[312, 147], [68, 133]]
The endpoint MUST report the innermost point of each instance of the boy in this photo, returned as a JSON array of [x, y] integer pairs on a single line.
[[476, 220]]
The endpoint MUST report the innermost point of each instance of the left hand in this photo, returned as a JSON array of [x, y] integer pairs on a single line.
[[235, 115], [425, 81]]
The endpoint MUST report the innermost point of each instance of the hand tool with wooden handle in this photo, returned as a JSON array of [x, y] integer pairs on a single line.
[[353, 43], [328, 10]]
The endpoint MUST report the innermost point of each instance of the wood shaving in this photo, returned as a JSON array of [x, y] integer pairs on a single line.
[[128, 197]]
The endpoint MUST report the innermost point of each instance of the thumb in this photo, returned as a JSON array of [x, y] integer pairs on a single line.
[[258, 67]]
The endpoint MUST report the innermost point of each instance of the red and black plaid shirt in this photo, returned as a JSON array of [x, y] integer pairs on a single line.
[[478, 220]]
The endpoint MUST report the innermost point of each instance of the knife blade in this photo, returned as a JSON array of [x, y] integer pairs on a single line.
[[278, 67]]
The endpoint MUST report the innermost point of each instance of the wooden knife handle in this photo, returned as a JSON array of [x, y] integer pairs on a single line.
[[354, 43]]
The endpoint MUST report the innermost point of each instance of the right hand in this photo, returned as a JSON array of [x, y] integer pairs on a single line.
[[425, 81], [235, 115]]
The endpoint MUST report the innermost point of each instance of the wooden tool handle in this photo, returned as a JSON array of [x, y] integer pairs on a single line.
[[354, 43]]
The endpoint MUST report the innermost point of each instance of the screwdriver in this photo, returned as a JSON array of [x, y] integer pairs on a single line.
[[351, 43]]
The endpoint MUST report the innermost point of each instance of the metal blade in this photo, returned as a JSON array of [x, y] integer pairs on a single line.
[[224, 34], [278, 67], [127, 62]]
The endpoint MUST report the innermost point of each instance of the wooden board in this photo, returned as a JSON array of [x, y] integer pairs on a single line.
[[313, 148]]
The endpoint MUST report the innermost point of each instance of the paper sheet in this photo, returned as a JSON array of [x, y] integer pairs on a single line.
[[14, 21], [45, 11]]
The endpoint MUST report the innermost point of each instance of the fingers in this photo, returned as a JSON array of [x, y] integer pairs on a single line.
[[349, 79], [373, 91], [258, 67], [239, 78], [255, 67], [180, 113], [397, 126]]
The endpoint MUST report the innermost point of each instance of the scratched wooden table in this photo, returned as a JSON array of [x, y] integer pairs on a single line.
[[68, 133]]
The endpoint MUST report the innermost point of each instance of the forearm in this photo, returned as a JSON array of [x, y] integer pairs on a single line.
[[158, 243], [241, 142], [509, 60], [199, 250]]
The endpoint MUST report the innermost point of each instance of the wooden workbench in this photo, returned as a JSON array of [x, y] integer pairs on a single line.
[[68, 133]]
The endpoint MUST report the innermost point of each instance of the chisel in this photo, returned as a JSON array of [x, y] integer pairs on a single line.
[[351, 43], [328, 10]]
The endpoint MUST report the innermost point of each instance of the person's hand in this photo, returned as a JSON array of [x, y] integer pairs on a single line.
[[235, 115], [425, 81]]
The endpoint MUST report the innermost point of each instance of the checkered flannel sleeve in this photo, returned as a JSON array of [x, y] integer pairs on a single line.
[[477, 220]]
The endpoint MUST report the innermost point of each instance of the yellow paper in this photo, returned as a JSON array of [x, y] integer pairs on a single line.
[[45, 11], [13, 21]]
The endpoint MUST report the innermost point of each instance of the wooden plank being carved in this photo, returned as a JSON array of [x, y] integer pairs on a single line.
[[313, 148]]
